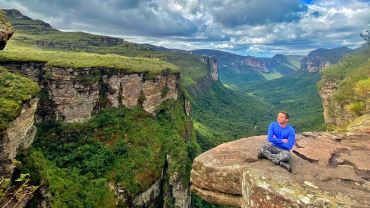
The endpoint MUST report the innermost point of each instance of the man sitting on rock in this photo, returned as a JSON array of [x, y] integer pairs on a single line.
[[282, 138]]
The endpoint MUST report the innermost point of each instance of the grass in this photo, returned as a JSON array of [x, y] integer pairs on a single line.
[[76, 60], [39, 34], [14, 91]]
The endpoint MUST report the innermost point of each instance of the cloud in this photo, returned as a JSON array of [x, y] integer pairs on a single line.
[[231, 13], [141, 17], [254, 26]]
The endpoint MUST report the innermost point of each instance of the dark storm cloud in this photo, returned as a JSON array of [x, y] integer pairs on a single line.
[[120, 17], [233, 13]]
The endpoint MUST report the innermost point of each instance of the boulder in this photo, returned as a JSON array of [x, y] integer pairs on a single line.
[[329, 170]]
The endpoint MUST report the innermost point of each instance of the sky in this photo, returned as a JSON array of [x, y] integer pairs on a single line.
[[245, 27]]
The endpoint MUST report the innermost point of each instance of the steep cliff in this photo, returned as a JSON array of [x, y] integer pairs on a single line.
[[18, 103], [73, 94], [205, 82], [345, 89], [320, 58], [69, 94]]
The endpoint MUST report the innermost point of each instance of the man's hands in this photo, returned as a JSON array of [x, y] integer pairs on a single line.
[[285, 140]]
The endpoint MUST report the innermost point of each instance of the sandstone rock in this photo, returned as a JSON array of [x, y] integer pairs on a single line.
[[360, 126], [74, 94], [18, 136], [179, 192], [6, 31], [327, 172], [334, 113]]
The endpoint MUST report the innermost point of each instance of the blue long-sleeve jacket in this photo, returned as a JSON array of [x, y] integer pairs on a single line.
[[276, 134]]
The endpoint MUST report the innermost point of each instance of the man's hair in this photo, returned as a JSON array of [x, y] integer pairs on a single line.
[[285, 113]]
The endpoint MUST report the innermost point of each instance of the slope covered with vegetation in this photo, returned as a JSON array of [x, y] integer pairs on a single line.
[[14, 91], [223, 115], [79, 161], [15, 52], [38, 34], [295, 94], [352, 77]]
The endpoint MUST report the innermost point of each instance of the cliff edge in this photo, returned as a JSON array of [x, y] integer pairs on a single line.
[[329, 170]]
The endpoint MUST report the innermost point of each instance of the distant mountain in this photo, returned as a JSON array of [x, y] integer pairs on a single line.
[[320, 58], [236, 69]]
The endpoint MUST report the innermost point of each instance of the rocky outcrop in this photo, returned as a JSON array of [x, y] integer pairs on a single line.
[[212, 66], [329, 170], [257, 64], [166, 191], [178, 191], [320, 58], [334, 113], [73, 94], [18, 136], [6, 31], [205, 83]]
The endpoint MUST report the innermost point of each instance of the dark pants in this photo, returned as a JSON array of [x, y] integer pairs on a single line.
[[275, 154]]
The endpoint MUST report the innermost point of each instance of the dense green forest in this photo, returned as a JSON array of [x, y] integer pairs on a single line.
[[222, 115], [296, 94], [120, 146]]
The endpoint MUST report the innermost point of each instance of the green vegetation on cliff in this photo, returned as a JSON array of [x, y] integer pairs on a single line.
[[222, 115], [295, 94], [14, 91], [15, 52], [125, 147], [351, 75], [38, 34]]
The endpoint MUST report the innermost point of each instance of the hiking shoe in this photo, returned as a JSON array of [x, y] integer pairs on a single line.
[[286, 165]]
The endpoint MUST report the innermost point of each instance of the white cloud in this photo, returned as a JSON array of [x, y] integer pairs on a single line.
[[284, 26]]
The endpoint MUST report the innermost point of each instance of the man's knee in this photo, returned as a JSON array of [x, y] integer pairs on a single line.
[[284, 155], [265, 149]]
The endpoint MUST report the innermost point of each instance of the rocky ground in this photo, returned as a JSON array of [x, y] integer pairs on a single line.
[[329, 170]]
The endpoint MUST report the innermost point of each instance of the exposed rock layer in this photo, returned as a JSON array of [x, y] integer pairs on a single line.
[[19, 135], [73, 94], [6, 31], [328, 170], [320, 58]]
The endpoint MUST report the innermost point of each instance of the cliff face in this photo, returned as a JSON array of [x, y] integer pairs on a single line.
[[73, 94], [329, 170], [20, 132], [205, 82], [345, 89], [320, 58], [18, 136], [6, 31], [334, 113]]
